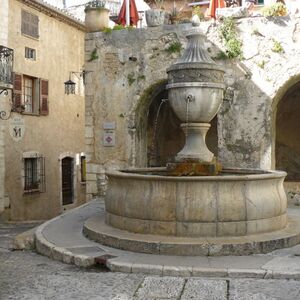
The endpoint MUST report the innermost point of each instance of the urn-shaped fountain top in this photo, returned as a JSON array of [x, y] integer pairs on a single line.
[[195, 93], [195, 59]]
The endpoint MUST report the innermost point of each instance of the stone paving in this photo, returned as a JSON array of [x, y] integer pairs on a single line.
[[28, 275]]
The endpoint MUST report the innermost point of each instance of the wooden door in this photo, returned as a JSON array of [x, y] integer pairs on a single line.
[[67, 180]]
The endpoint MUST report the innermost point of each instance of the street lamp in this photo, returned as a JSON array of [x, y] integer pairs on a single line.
[[70, 84], [69, 87]]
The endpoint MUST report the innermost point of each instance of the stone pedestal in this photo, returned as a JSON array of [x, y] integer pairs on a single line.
[[195, 149]]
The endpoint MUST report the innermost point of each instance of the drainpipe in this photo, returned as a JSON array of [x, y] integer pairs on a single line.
[[127, 13]]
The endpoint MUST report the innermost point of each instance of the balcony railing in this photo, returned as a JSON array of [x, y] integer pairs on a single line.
[[6, 66]]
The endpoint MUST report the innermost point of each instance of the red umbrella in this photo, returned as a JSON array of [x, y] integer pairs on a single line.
[[134, 15], [213, 5]]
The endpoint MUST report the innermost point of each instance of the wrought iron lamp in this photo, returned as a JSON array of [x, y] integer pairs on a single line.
[[70, 84], [6, 75], [69, 87]]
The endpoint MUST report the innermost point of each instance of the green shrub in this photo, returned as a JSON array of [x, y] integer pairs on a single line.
[[130, 79], [261, 64], [228, 33], [275, 10], [116, 28], [174, 47], [277, 47], [234, 48], [221, 55]]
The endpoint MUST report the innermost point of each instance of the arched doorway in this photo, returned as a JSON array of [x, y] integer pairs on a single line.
[[287, 147], [164, 135]]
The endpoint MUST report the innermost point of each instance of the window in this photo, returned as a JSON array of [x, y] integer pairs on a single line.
[[30, 24], [83, 168], [30, 53], [34, 174], [30, 95]]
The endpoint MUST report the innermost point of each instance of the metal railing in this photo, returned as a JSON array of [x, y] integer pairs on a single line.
[[6, 66]]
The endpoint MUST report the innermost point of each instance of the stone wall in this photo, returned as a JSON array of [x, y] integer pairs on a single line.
[[128, 69]]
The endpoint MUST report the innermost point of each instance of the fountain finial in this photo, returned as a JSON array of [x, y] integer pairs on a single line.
[[195, 51]]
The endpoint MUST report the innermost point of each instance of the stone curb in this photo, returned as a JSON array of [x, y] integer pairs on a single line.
[[46, 248], [25, 240], [180, 271]]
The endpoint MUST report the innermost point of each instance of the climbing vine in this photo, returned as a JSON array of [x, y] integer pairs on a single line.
[[93, 55]]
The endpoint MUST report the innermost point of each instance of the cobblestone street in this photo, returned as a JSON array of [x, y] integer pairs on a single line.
[[27, 275]]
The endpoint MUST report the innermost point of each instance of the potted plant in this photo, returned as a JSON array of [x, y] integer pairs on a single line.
[[96, 15], [155, 16]]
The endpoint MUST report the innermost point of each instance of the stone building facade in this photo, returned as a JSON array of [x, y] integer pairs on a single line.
[[3, 41], [128, 124], [44, 136]]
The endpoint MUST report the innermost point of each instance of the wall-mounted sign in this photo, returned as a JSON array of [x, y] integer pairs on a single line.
[[109, 138], [17, 128], [109, 125]]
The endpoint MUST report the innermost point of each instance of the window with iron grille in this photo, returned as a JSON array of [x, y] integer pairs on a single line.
[[30, 53], [30, 24], [34, 174]]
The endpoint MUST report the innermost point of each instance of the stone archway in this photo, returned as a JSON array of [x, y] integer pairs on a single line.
[[287, 145], [158, 136], [164, 135]]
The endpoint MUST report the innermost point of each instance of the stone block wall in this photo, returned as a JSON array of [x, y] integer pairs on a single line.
[[126, 68]]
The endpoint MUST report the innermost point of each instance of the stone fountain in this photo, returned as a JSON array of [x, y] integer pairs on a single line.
[[196, 86], [232, 213]]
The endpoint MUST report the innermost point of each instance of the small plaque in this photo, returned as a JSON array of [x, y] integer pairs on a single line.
[[17, 128], [109, 125], [109, 138]]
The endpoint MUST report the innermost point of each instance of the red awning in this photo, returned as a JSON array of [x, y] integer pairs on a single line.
[[134, 16], [213, 5]]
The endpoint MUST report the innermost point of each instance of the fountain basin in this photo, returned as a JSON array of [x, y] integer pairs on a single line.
[[204, 100], [231, 204]]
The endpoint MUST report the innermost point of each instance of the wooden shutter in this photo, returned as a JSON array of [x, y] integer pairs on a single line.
[[30, 24], [35, 26], [44, 91], [17, 99]]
